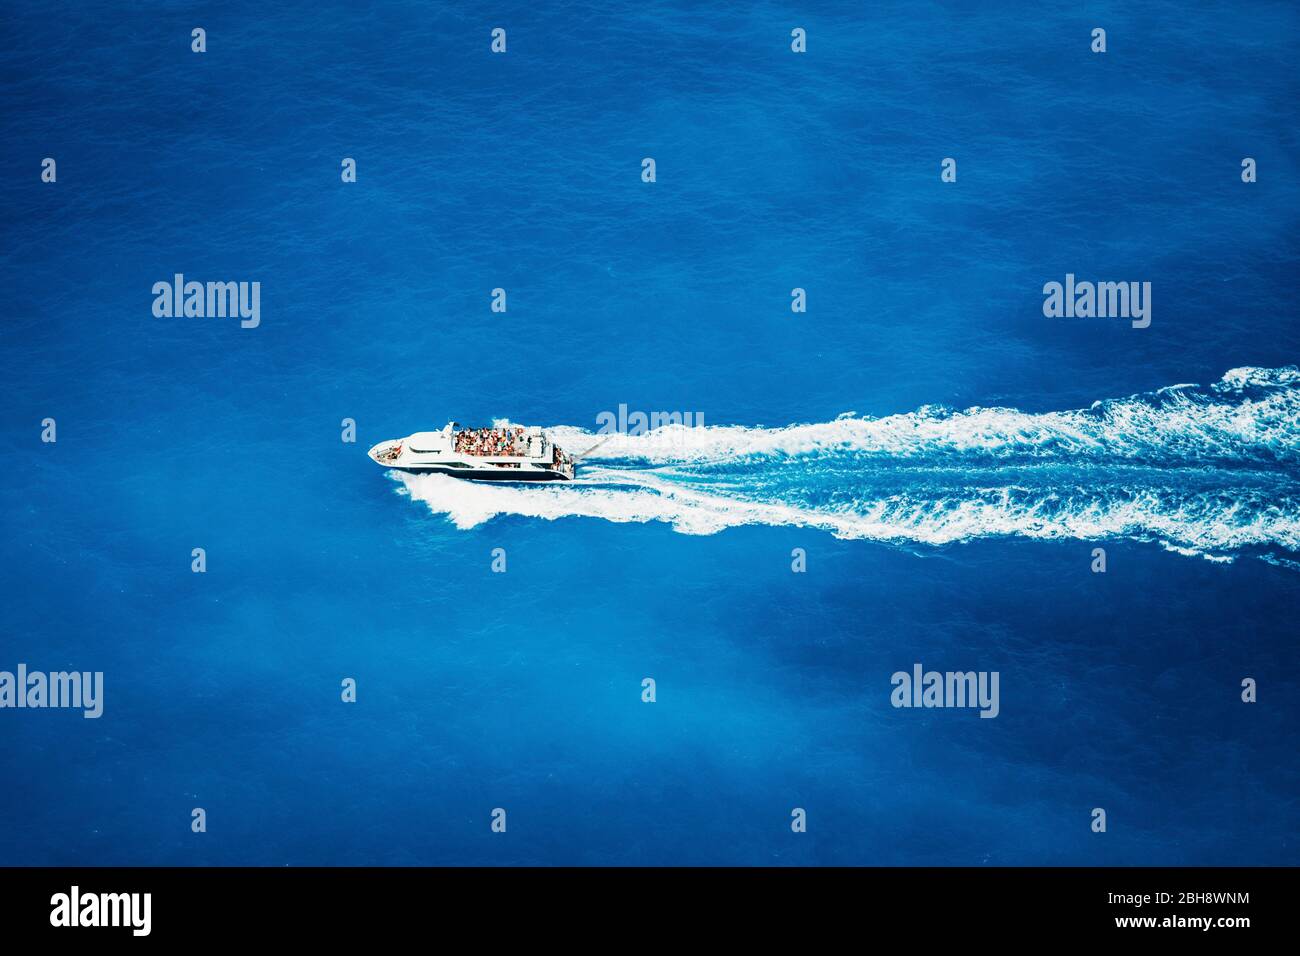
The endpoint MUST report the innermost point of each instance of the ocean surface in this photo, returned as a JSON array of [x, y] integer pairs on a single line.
[[945, 457]]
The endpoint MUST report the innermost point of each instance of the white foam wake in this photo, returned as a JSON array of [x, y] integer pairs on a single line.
[[1208, 524], [1251, 414], [1207, 471]]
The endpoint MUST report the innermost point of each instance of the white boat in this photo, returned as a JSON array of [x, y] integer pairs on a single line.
[[502, 453]]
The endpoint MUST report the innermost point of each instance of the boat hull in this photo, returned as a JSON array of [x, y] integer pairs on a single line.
[[483, 474]]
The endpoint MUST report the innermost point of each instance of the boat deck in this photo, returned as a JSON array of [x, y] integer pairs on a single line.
[[508, 442]]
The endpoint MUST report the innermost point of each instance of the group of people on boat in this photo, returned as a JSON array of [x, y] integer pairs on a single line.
[[562, 462], [491, 441]]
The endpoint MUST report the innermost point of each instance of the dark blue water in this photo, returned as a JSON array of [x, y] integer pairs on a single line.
[[958, 539]]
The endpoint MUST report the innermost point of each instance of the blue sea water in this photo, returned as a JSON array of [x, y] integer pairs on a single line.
[[949, 518]]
